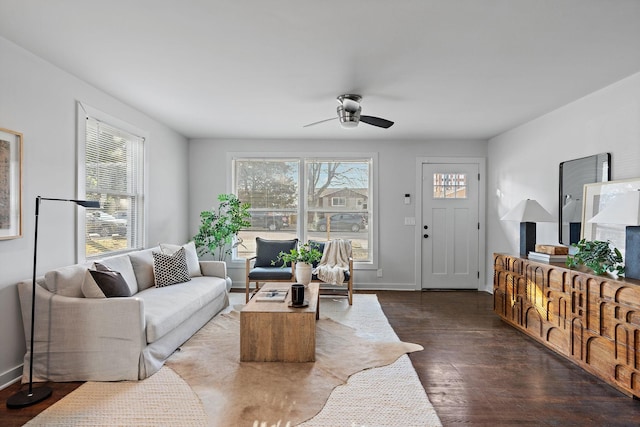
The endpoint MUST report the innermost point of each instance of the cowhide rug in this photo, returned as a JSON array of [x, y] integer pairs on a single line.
[[273, 394]]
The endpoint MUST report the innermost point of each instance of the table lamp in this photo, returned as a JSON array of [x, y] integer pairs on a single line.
[[528, 212], [625, 209], [33, 395]]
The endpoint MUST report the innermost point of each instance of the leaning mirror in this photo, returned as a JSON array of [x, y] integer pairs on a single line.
[[574, 174]]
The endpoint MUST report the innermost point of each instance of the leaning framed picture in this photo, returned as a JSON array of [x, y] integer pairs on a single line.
[[595, 198], [10, 184]]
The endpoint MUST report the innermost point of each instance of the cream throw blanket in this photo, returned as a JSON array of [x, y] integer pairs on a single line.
[[334, 262]]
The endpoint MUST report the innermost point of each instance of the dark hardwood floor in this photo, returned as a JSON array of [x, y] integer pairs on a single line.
[[476, 369], [480, 371]]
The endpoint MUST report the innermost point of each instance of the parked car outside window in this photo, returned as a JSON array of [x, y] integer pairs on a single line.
[[103, 224], [342, 222], [270, 220], [121, 215]]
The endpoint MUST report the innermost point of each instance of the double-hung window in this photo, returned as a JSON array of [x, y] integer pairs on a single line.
[[113, 174], [311, 198]]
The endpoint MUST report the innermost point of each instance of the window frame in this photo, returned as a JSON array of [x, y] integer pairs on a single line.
[[315, 156], [83, 113], [342, 200]]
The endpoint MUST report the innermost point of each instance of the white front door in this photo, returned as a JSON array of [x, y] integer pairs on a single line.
[[450, 226]]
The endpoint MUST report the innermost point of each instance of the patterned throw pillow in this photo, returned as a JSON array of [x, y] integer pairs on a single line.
[[170, 269]]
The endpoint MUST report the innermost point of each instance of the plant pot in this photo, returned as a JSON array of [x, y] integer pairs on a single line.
[[303, 273]]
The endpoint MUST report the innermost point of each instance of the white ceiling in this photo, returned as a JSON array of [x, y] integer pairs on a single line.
[[263, 69]]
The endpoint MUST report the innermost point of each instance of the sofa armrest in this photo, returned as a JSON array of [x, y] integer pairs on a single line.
[[214, 268], [80, 339]]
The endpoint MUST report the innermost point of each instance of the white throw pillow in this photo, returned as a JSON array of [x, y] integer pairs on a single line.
[[122, 264], [191, 254], [142, 263]]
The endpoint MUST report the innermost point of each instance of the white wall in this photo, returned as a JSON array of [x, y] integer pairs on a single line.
[[523, 163], [39, 100], [396, 176]]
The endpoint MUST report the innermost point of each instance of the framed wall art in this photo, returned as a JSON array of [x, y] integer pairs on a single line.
[[595, 198], [10, 184]]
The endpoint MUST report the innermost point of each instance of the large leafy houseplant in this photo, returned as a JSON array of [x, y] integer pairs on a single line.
[[219, 228], [599, 256]]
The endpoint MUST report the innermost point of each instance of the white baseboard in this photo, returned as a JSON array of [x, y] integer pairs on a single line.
[[362, 286], [10, 377]]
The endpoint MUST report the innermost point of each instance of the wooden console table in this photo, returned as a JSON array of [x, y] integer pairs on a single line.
[[594, 321]]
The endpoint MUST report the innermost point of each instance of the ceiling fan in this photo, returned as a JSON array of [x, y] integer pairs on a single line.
[[349, 114]]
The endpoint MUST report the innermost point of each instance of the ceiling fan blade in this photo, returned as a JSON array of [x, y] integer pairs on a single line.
[[321, 121], [376, 121]]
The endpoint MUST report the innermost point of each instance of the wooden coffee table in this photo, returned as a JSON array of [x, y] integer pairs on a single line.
[[274, 332]]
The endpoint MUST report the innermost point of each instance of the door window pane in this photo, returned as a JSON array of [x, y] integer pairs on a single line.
[[450, 185]]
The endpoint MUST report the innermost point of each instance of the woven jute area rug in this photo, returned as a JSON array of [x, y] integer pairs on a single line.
[[361, 377]]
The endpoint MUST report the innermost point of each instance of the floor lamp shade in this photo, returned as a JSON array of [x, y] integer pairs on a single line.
[[34, 395], [528, 212], [625, 209]]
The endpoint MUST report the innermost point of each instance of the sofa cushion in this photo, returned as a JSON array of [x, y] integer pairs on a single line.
[[170, 269], [101, 283], [270, 273], [67, 281], [122, 264], [142, 263], [191, 254], [268, 251], [167, 307]]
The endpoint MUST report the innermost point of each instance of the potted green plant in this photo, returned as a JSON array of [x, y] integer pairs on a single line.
[[304, 257], [599, 256], [219, 228]]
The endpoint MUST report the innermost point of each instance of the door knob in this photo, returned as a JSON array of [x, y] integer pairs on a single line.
[[426, 236]]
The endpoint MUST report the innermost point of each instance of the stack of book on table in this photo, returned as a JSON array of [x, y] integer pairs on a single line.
[[549, 253], [275, 295]]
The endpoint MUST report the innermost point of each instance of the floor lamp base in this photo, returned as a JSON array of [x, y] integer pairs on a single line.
[[23, 398]]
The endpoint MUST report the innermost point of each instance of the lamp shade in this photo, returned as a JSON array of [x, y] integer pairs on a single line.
[[622, 209], [528, 211]]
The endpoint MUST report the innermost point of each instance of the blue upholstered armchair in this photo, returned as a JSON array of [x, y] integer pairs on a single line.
[[260, 268]]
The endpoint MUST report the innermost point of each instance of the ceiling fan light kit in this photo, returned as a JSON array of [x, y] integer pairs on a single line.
[[349, 119], [349, 114]]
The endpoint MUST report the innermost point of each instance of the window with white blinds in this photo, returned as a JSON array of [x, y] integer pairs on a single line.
[[114, 176]]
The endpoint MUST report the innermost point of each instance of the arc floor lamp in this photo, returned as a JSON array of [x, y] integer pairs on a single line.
[[34, 395]]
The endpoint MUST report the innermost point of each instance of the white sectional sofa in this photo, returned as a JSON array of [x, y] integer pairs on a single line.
[[122, 338]]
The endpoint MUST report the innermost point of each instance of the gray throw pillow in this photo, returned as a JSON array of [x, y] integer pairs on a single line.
[[104, 283]]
